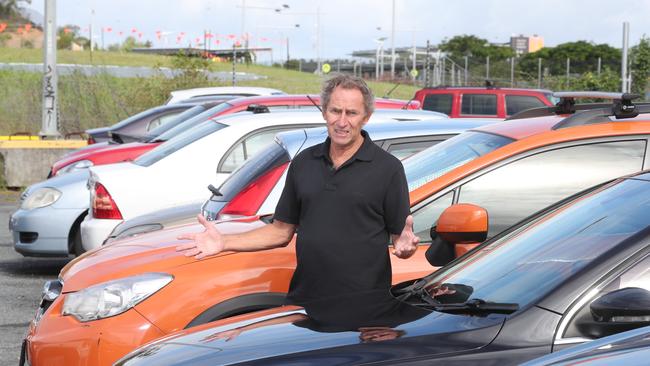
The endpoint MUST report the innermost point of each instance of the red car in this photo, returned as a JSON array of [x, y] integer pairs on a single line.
[[108, 154], [482, 102]]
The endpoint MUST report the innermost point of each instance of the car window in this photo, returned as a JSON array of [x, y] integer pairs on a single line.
[[483, 104], [403, 150], [178, 142], [518, 103], [427, 216], [438, 103], [638, 275], [513, 191], [162, 120], [167, 131], [525, 265], [437, 160], [248, 147]]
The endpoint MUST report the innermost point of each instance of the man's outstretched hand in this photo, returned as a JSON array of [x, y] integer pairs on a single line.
[[406, 243], [203, 244]]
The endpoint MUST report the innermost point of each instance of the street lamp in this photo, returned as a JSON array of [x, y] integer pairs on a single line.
[[380, 48], [243, 16]]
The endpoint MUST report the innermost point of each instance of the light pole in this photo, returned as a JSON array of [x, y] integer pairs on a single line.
[[243, 16], [380, 47]]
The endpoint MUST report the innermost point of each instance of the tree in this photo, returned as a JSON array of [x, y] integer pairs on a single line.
[[66, 35], [583, 58], [476, 48], [10, 9], [130, 43], [640, 55]]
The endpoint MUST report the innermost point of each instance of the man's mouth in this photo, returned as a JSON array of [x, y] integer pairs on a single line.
[[340, 132]]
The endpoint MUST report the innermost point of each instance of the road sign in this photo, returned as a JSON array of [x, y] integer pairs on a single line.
[[326, 68]]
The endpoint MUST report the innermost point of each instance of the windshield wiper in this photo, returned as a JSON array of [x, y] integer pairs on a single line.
[[477, 306]]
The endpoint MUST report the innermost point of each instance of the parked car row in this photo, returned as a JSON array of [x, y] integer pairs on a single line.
[[529, 241]]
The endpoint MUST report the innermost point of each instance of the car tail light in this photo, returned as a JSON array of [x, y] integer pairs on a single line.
[[103, 205], [91, 140], [249, 200]]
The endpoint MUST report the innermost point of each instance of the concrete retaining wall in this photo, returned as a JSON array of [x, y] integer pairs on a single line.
[[29, 162]]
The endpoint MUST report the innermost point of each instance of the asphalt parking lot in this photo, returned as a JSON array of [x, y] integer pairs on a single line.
[[21, 280]]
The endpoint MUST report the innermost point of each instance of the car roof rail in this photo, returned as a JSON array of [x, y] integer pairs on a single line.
[[622, 105], [258, 108]]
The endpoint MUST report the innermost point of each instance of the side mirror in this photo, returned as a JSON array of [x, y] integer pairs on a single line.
[[464, 226], [619, 311]]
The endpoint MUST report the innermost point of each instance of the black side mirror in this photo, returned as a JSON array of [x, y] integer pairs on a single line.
[[619, 311]]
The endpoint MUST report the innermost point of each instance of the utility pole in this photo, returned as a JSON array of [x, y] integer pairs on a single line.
[[487, 68], [624, 76], [465, 83], [392, 45], [539, 73], [50, 122], [427, 66], [512, 72], [568, 68]]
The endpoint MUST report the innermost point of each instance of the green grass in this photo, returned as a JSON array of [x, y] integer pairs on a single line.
[[94, 101]]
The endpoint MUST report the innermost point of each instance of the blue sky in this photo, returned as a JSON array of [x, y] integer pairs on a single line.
[[351, 25]]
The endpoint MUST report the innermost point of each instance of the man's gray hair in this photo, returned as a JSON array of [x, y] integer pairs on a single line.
[[346, 81]]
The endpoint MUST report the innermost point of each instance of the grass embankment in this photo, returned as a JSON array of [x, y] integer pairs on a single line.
[[94, 101]]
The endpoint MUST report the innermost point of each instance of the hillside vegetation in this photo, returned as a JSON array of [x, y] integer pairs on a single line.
[[94, 101]]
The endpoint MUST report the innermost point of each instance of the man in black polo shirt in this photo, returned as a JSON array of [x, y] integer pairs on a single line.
[[343, 197]]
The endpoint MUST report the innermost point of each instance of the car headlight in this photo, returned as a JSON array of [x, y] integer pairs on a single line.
[[77, 165], [41, 197], [113, 297]]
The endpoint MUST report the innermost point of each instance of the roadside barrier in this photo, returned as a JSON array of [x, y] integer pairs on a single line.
[[27, 161]]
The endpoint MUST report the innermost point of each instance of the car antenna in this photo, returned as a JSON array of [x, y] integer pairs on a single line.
[[391, 90], [314, 103]]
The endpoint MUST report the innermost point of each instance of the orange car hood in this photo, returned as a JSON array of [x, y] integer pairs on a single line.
[[154, 252]]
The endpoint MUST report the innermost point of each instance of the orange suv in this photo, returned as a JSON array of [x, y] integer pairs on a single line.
[[120, 296], [483, 102]]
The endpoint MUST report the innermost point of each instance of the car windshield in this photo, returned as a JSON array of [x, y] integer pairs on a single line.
[[524, 265], [431, 163], [178, 142], [165, 132], [135, 117]]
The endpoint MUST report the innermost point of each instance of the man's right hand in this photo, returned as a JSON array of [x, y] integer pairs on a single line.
[[203, 244]]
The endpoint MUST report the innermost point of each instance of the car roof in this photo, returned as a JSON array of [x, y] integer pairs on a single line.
[[178, 95], [296, 140], [297, 114], [493, 88]]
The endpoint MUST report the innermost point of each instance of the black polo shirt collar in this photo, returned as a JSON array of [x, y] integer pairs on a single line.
[[365, 152]]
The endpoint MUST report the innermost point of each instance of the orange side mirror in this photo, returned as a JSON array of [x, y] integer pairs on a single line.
[[464, 225]]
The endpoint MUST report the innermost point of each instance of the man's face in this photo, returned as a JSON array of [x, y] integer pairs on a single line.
[[345, 116]]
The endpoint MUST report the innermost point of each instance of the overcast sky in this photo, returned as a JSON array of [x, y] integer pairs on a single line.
[[348, 25]]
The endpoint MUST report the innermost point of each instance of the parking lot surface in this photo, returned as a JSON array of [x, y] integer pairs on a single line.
[[21, 280]]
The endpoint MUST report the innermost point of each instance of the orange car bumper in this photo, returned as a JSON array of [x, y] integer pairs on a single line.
[[63, 340]]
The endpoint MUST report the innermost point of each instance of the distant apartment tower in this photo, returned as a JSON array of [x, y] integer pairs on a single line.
[[524, 44]]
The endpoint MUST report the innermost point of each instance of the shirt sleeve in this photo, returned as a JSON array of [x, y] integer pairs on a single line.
[[396, 202], [288, 207]]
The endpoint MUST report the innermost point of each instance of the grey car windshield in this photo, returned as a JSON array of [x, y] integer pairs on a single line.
[[190, 123], [178, 142], [447, 155], [531, 261]]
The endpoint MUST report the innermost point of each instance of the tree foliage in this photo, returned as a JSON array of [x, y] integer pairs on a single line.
[[477, 49], [10, 8], [640, 66], [583, 58]]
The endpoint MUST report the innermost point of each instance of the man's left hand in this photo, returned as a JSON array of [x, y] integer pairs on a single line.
[[406, 243]]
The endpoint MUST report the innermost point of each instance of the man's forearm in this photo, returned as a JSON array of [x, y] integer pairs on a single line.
[[269, 236]]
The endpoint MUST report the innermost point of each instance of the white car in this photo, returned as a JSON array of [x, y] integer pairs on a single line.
[[179, 171], [241, 91]]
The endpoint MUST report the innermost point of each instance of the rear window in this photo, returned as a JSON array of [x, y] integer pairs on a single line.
[[481, 104], [167, 131], [438, 103], [180, 141], [518, 103], [273, 155]]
